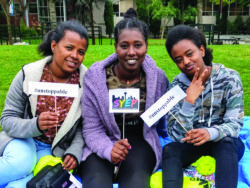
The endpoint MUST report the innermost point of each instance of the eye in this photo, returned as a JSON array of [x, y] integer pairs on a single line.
[[68, 47], [81, 52], [124, 46], [190, 54], [177, 61], [138, 45]]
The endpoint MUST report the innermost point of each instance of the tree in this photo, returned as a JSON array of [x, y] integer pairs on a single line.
[[221, 18], [245, 3], [89, 4], [187, 10], [109, 17], [23, 7], [161, 12], [145, 14], [5, 6], [143, 10], [199, 10], [78, 10]]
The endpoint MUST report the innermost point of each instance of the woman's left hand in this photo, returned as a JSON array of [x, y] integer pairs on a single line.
[[69, 162], [197, 137]]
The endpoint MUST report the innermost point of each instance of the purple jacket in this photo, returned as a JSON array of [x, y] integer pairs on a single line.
[[100, 130]]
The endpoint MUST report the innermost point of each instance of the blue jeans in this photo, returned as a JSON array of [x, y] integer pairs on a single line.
[[227, 152], [18, 161]]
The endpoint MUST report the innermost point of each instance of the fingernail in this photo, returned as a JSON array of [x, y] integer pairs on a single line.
[[130, 147]]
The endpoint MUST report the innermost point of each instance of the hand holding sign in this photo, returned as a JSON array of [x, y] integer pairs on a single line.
[[122, 101], [120, 150], [50, 119]]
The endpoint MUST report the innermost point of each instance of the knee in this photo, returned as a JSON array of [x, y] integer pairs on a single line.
[[226, 144], [139, 178], [21, 156], [231, 146], [171, 150]]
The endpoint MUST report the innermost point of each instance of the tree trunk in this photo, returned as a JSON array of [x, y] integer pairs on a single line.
[[163, 28], [5, 7], [9, 30], [199, 8], [92, 23]]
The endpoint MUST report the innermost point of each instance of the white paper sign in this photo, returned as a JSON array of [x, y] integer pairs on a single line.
[[76, 183], [163, 105], [124, 100], [53, 89]]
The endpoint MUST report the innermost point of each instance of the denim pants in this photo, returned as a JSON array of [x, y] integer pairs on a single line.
[[227, 152], [18, 161]]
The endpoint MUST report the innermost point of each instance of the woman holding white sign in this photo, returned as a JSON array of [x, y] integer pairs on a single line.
[[45, 124], [138, 154], [208, 120]]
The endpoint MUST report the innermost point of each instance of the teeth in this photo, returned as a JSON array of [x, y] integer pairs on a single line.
[[131, 61]]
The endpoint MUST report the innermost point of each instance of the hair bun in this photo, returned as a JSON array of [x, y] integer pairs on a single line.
[[130, 13]]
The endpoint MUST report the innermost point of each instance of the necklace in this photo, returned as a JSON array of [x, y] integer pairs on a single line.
[[52, 76], [125, 81]]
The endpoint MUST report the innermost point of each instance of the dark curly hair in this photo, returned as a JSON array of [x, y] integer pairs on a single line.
[[58, 33], [130, 21], [181, 32]]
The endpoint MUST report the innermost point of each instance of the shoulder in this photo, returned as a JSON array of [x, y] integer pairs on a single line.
[[224, 74], [180, 80], [97, 70], [37, 65]]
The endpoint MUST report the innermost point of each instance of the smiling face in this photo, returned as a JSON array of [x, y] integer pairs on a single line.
[[188, 57], [69, 53], [131, 50]]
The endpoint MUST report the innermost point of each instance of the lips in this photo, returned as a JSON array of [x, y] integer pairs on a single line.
[[71, 64], [131, 61], [189, 67]]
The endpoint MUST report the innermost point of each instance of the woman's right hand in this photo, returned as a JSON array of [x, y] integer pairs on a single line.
[[120, 150], [48, 120], [196, 86]]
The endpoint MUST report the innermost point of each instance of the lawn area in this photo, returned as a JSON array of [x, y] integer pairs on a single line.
[[12, 58]]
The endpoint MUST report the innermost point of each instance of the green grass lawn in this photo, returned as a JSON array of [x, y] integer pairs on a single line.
[[12, 58]]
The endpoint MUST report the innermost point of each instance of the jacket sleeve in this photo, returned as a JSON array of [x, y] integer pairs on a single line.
[[13, 116], [233, 118], [163, 86], [179, 118], [77, 144], [94, 132]]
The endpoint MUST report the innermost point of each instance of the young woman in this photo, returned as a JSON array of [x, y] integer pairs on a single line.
[[139, 154], [32, 127], [208, 120]]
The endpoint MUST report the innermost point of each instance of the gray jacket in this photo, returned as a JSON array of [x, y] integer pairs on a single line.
[[18, 117]]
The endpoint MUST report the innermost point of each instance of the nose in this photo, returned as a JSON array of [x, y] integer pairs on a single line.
[[186, 60], [131, 51], [74, 54]]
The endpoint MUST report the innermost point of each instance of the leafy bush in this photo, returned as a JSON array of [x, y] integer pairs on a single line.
[[37, 26], [231, 28], [239, 25], [26, 31]]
